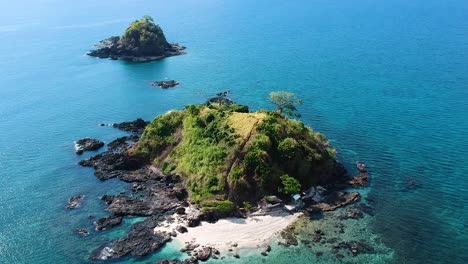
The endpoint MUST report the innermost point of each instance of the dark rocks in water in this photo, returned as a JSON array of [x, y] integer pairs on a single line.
[[352, 213], [75, 201], [187, 261], [122, 206], [221, 100], [409, 184], [360, 180], [109, 165], [313, 211], [140, 241], [137, 126], [338, 199], [361, 166], [82, 231], [193, 221], [157, 198], [289, 237], [265, 252], [108, 222], [355, 247], [236, 255], [365, 208], [165, 84], [87, 144], [123, 143], [318, 235]]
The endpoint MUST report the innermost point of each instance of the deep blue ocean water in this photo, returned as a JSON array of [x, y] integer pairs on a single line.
[[386, 81]]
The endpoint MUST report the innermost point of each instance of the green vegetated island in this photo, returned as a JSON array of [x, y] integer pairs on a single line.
[[142, 41], [228, 156], [212, 161]]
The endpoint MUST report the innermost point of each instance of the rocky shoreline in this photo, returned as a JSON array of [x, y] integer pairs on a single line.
[[159, 197]]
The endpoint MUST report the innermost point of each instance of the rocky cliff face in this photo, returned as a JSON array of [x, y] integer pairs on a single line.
[[142, 41]]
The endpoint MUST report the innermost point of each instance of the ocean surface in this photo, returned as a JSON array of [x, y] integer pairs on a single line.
[[385, 81]]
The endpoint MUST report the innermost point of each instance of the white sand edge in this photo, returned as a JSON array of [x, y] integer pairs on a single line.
[[253, 232]]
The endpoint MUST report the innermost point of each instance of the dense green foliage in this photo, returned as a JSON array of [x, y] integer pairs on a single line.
[[289, 185], [160, 134], [224, 154], [286, 103], [144, 37], [224, 206]]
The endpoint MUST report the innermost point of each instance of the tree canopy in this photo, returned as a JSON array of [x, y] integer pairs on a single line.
[[144, 36], [286, 103]]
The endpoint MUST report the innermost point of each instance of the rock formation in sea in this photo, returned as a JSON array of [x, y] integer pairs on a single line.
[[87, 144], [142, 41]]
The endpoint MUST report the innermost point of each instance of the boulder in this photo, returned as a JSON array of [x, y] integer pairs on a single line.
[[140, 241], [360, 180], [87, 144], [137, 126], [107, 222], [338, 199], [204, 253], [181, 229], [82, 231], [165, 84], [75, 201]]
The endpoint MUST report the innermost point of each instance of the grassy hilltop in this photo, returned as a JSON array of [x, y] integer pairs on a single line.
[[225, 152]]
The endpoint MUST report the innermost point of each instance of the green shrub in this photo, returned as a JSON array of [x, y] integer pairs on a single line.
[[288, 147], [236, 174], [247, 206], [225, 206], [289, 185]]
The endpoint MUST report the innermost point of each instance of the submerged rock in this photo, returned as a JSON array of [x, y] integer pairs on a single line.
[[87, 144], [360, 180], [75, 201], [82, 231], [355, 247], [337, 199], [140, 241]]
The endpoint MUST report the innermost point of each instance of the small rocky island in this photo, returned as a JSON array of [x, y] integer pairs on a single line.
[[213, 161], [142, 41]]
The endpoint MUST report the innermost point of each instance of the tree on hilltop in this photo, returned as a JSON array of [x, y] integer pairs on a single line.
[[285, 103]]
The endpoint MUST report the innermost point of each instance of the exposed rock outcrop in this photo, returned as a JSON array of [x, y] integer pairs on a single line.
[[108, 222], [137, 126], [140, 241], [87, 144], [75, 201], [165, 84]]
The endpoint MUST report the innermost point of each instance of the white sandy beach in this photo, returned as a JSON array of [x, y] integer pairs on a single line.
[[253, 232]]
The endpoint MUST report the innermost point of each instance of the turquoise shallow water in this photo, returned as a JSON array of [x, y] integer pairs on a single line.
[[385, 81]]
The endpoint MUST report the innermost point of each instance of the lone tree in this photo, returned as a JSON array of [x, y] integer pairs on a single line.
[[286, 102]]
